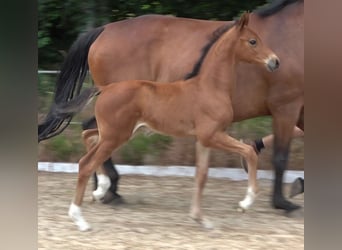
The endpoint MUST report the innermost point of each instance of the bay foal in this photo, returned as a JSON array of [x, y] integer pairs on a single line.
[[200, 107]]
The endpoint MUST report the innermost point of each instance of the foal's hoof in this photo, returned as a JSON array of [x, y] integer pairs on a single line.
[[240, 209], [204, 222], [207, 224], [76, 215], [84, 227]]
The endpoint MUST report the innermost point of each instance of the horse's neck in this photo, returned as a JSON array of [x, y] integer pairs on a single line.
[[219, 68], [290, 18]]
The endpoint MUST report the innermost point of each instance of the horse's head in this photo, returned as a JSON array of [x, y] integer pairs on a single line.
[[250, 48]]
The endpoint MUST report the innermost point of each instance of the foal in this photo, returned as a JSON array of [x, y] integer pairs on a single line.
[[200, 107]]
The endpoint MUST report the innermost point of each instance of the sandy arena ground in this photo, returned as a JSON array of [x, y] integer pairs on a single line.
[[155, 216]]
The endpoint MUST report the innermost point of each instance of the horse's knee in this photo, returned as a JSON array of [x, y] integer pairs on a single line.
[[206, 140], [84, 171], [90, 138], [280, 160], [250, 153], [89, 133]]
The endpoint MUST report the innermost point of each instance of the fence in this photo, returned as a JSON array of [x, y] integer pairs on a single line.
[[68, 147]]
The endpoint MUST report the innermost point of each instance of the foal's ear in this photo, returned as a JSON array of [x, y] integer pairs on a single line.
[[243, 20]]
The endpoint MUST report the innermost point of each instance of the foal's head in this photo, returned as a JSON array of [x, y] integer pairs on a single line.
[[249, 47]]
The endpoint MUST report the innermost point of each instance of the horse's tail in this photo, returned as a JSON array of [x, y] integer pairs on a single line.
[[68, 100]]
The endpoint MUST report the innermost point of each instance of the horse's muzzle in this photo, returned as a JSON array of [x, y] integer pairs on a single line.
[[272, 63]]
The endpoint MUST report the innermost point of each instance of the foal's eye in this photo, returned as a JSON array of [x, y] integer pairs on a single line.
[[252, 42]]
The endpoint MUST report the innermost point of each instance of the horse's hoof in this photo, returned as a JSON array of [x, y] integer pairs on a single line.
[[285, 205], [298, 213], [113, 198], [297, 187]]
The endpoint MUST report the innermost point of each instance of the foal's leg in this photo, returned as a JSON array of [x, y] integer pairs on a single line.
[[225, 142], [87, 166], [90, 138], [108, 168], [202, 162]]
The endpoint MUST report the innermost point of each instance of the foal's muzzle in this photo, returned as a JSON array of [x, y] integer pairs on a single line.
[[272, 63]]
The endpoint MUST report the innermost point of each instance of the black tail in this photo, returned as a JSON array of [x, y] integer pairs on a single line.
[[68, 87]]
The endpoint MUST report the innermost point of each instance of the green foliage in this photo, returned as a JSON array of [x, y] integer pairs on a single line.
[[68, 146], [60, 22], [253, 128], [61, 146], [141, 145]]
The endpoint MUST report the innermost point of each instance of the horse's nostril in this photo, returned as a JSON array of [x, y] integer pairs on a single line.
[[277, 63]]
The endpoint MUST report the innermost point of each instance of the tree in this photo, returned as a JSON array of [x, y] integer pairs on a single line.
[[60, 22]]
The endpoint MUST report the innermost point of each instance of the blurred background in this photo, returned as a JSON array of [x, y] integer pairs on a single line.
[[60, 23]]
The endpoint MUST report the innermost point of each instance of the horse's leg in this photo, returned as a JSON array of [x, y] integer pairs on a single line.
[[284, 119], [114, 177], [221, 140], [108, 169], [202, 163], [90, 139], [87, 166]]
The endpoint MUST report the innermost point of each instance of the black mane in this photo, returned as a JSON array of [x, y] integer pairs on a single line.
[[263, 11], [204, 51], [273, 7]]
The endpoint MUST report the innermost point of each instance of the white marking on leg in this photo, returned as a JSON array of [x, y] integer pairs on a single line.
[[75, 213], [103, 185], [249, 199]]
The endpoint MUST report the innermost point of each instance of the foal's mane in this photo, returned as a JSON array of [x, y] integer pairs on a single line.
[[215, 36], [264, 11]]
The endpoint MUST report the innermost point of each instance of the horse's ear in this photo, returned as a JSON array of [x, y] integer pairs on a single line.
[[243, 20]]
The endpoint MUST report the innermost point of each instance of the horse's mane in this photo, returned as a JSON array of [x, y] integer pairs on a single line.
[[204, 51], [263, 11], [273, 7]]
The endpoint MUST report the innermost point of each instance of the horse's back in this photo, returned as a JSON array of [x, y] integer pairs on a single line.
[[150, 47]]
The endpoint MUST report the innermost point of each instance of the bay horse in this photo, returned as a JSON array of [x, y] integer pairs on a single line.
[[200, 106], [166, 48]]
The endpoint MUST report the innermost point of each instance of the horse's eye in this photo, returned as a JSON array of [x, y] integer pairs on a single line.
[[252, 42]]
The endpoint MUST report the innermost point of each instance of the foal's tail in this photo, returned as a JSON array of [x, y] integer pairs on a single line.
[[68, 100]]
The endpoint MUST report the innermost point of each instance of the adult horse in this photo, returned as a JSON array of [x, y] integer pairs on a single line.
[[169, 108], [165, 49]]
